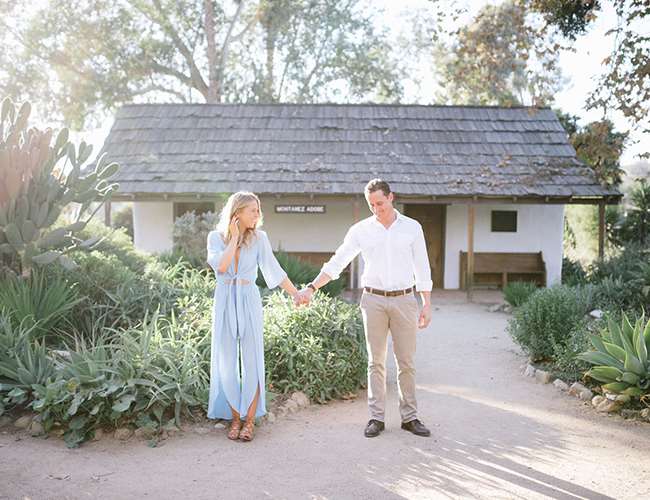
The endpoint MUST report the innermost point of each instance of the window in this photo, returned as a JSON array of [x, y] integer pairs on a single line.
[[198, 208], [504, 221]]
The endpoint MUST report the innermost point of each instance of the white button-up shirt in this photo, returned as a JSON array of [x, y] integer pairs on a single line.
[[394, 258]]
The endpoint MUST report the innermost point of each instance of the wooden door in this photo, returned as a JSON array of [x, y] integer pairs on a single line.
[[432, 218]]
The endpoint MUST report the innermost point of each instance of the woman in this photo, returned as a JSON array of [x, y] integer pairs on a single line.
[[235, 250]]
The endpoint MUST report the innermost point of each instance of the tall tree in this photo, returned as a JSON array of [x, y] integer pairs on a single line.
[[84, 56], [598, 145], [625, 82], [498, 59]]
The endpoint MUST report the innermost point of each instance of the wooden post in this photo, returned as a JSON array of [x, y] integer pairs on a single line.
[[601, 229], [354, 265], [470, 251], [107, 213]]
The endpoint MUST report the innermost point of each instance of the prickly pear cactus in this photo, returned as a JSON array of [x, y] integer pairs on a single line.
[[38, 180]]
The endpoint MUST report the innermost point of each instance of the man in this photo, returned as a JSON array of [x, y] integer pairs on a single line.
[[395, 257]]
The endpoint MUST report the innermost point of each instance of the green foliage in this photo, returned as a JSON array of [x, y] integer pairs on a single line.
[[623, 281], [600, 147], [190, 235], [123, 219], [24, 361], [620, 358], [136, 349], [36, 303], [280, 51], [518, 292], [633, 225], [572, 18], [117, 242], [37, 186], [572, 273], [565, 361], [318, 349], [548, 318], [499, 58], [624, 83]]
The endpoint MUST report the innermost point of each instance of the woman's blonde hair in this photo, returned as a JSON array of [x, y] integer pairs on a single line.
[[236, 202]]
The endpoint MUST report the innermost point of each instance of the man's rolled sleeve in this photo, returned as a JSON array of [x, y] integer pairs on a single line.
[[421, 268], [343, 255]]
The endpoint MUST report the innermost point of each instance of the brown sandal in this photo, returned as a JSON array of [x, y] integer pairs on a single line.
[[247, 431], [235, 428]]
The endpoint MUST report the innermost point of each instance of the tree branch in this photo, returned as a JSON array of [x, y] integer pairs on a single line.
[[163, 22]]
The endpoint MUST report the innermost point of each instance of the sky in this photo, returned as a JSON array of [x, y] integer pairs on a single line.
[[580, 68]]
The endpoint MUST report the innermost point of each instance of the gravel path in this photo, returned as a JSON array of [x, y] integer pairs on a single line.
[[496, 434]]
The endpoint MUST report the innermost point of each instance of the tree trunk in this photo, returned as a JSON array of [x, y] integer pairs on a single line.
[[213, 80]]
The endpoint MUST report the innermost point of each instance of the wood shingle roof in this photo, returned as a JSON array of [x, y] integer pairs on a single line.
[[442, 151]]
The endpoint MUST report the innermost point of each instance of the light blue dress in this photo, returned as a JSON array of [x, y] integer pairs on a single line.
[[237, 355]]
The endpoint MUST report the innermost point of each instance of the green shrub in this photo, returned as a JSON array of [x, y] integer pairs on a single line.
[[190, 235], [116, 242], [123, 219], [548, 318], [572, 273], [566, 364], [319, 349], [518, 292], [624, 280], [37, 303], [621, 357]]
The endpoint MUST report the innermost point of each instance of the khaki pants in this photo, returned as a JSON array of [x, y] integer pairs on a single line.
[[399, 315]]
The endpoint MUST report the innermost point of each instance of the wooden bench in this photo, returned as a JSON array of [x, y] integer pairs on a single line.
[[498, 268]]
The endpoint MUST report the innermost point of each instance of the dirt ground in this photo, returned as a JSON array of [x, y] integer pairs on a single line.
[[495, 434]]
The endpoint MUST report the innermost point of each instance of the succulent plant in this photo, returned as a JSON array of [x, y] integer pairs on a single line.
[[621, 357], [35, 188]]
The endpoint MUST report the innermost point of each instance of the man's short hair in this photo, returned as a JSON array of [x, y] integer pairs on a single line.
[[376, 185]]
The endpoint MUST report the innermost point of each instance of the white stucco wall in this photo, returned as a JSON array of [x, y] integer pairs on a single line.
[[309, 232], [539, 228], [153, 222]]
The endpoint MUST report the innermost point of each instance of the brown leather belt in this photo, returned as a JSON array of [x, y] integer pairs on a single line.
[[392, 293]]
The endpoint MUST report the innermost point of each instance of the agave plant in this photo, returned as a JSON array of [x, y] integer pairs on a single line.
[[621, 357]]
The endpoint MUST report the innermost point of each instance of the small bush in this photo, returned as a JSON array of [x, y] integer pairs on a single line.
[[124, 219], [566, 363], [116, 242], [518, 292], [548, 318], [319, 349], [190, 235], [37, 303], [572, 273]]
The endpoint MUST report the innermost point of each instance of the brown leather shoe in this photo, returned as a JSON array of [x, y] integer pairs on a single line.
[[235, 428], [373, 428], [416, 427], [247, 431]]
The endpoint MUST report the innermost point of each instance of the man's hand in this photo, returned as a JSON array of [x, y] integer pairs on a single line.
[[425, 317], [306, 294]]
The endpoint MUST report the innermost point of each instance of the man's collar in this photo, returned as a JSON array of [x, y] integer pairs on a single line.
[[398, 217]]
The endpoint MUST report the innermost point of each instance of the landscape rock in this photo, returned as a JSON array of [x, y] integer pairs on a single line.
[[543, 376], [576, 388], [561, 384], [23, 422], [123, 433], [300, 398]]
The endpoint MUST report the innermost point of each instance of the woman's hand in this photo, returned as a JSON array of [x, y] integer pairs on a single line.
[[234, 229]]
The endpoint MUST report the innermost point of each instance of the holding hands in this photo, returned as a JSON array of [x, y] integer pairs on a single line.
[[303, 297]]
